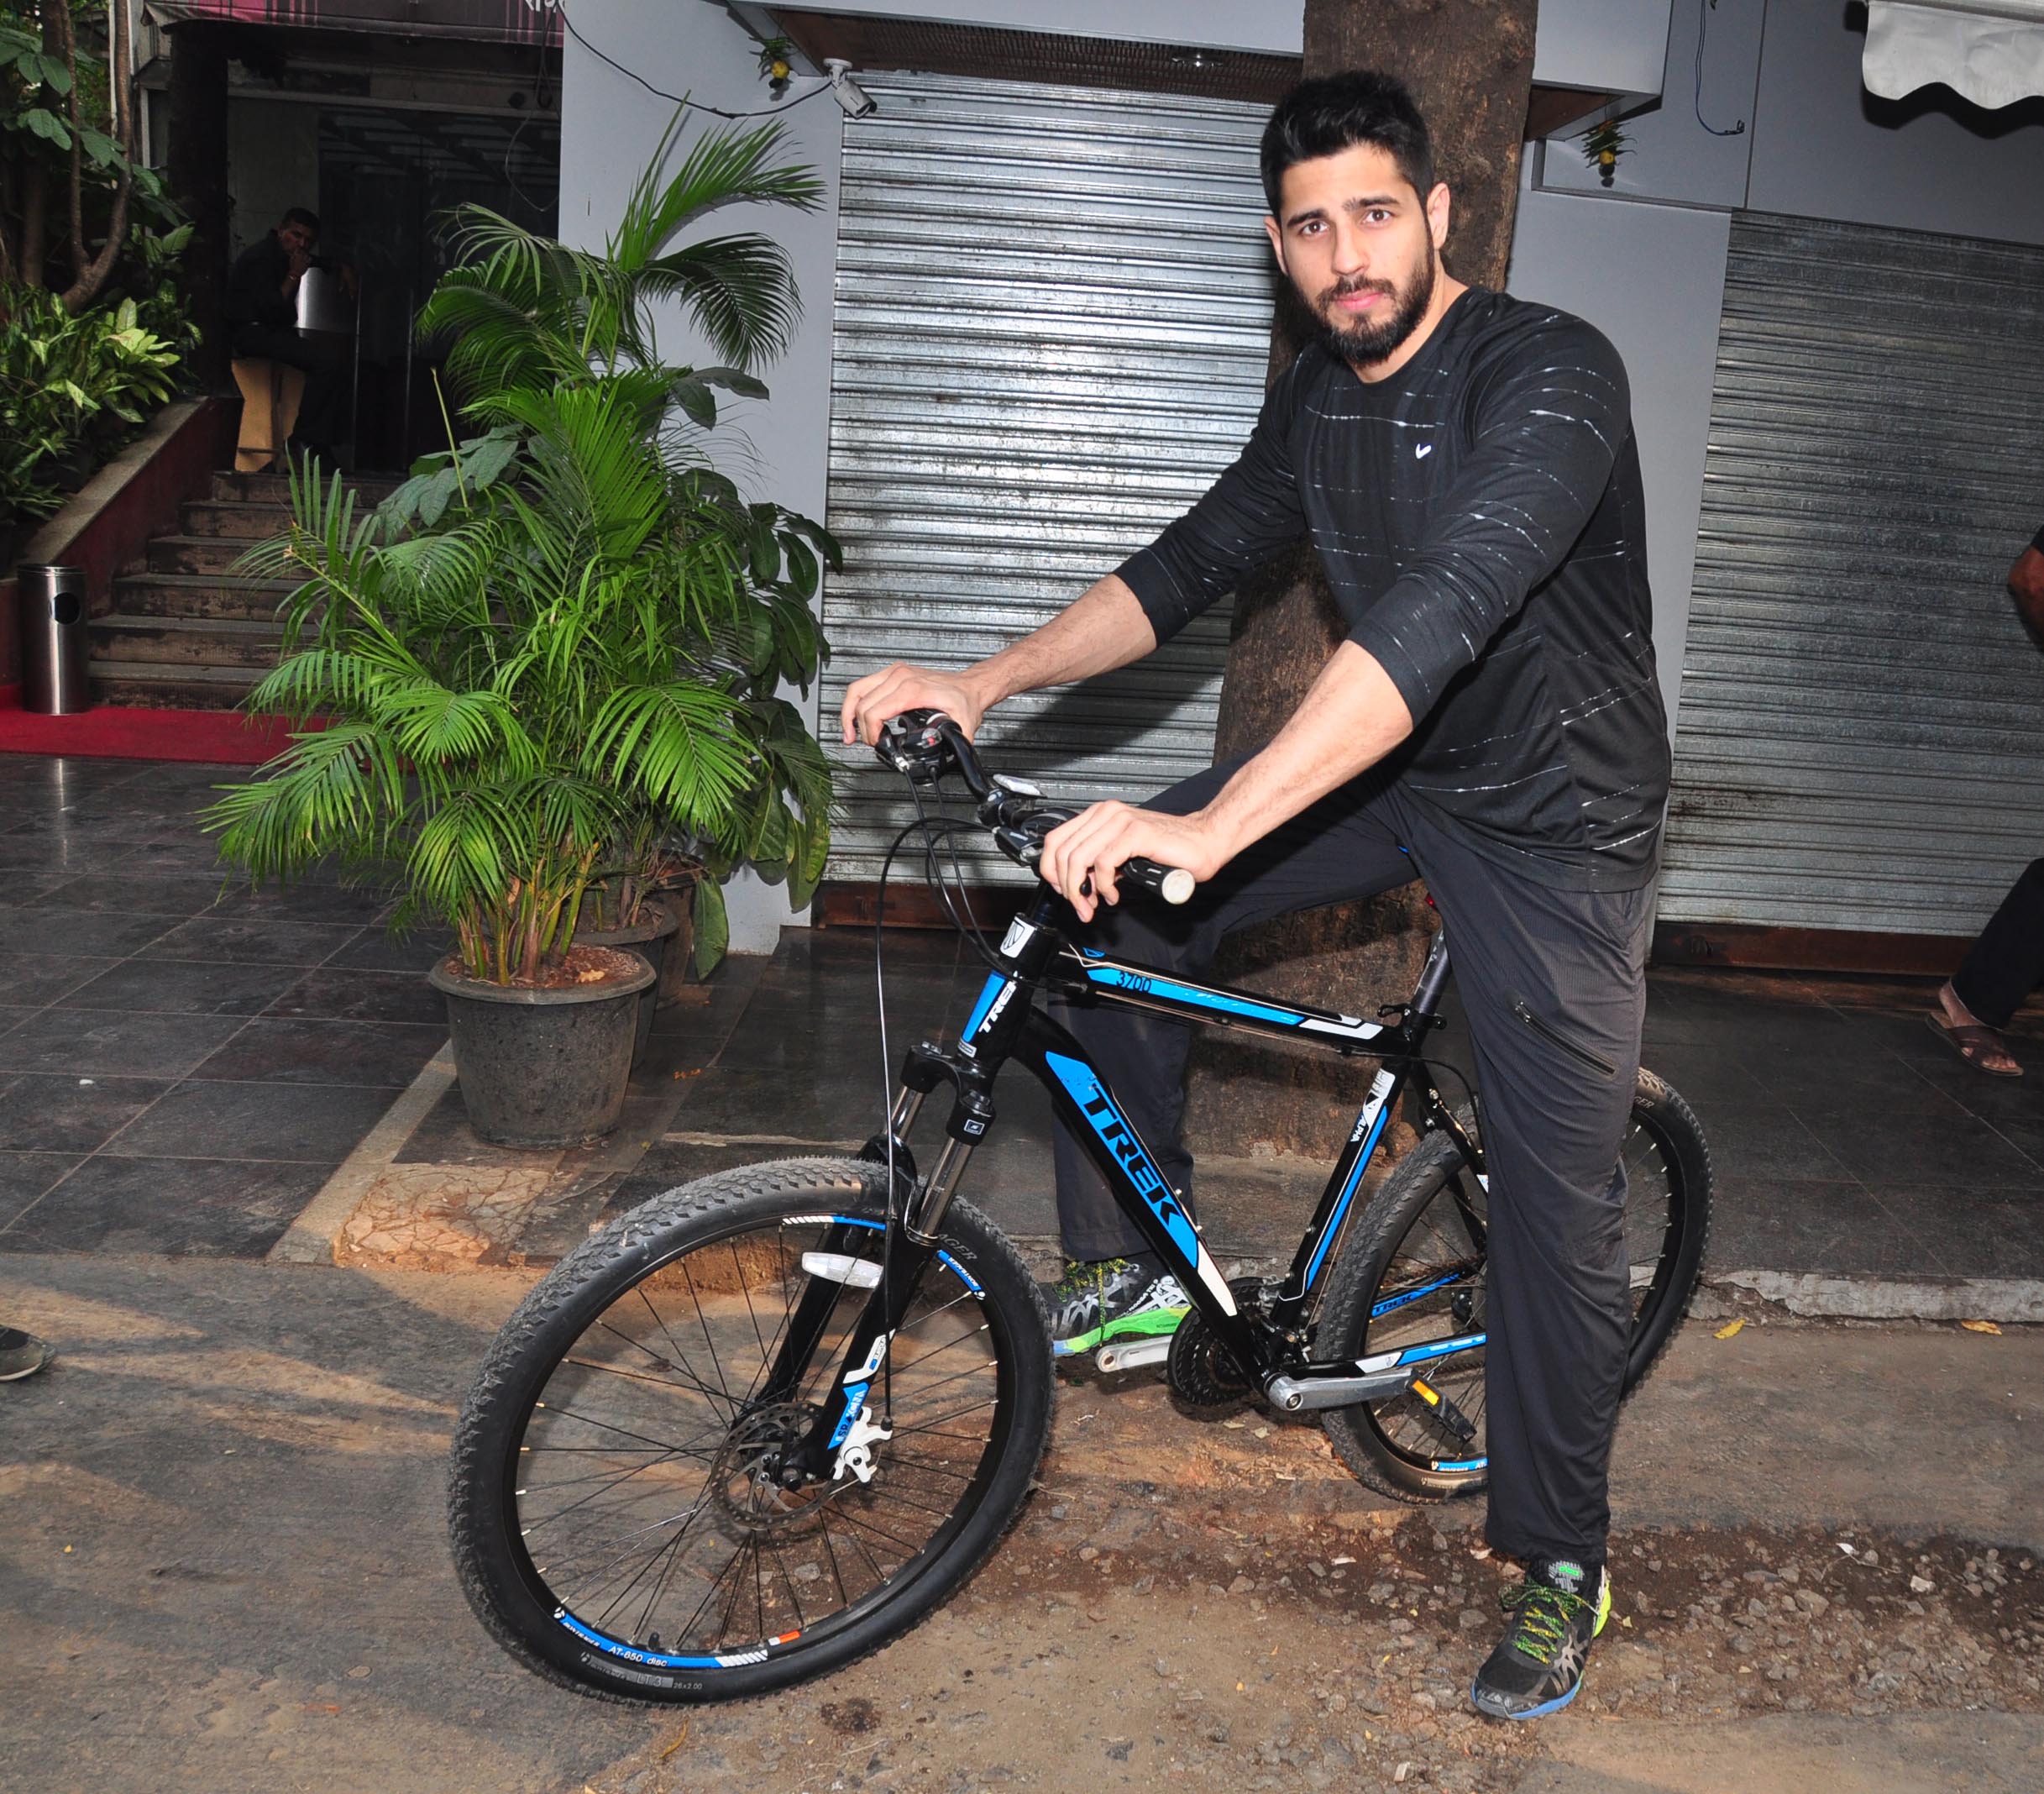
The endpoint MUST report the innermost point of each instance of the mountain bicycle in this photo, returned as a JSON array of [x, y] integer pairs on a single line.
[[763, 1424]]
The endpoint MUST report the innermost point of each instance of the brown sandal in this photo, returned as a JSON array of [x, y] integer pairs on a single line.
[[1972, 1041]]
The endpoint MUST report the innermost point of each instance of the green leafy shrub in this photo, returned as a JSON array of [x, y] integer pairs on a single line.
[[550, 660], [70, 389]]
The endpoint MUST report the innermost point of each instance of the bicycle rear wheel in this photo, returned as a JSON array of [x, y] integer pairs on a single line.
[[616, 1522], [1414, 1273]]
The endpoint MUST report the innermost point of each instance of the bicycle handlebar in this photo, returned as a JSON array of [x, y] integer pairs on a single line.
[[923, 745]]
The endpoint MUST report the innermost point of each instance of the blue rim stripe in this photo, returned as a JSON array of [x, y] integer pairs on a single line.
[[632, 1654]]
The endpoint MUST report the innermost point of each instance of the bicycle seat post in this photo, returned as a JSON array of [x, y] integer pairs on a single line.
[[1432, 977]]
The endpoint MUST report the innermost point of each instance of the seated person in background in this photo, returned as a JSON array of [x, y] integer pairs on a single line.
[[262, 319], [2006, 963]]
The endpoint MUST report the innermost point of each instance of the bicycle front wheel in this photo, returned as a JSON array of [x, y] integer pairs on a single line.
[[617, 1524], [1415, 1274]]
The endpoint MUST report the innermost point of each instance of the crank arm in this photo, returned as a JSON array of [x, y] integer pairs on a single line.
[[1373, 1379], [1129, 1355]]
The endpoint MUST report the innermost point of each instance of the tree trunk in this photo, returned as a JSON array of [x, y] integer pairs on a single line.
[[35, 219], [92, 273], [35, 177], [198, 182], [1469, 64]]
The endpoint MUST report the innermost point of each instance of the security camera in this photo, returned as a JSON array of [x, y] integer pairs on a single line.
[[857, 102]]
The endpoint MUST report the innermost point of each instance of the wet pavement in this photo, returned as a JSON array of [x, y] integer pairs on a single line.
[[184, 1066]]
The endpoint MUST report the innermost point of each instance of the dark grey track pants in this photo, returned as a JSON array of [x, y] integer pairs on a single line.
[[1558, 1304]]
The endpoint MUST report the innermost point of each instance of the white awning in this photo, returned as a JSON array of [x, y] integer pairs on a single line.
[[1992, 51]]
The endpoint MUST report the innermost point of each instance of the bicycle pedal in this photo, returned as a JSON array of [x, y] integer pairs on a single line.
[[1131, 1355], [1445, 1410]]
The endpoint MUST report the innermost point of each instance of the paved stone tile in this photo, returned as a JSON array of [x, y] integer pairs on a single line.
[[175, 1207], [253, 941], [298, 1124], [96, 1043], [1764, 1143], [362, 996], [304, 902], [185, 987], [1826, 1228], [30, 980], [25, 1176], [385, 1055], [62, 1112], [1930, 1140], [374, 950], [1987, 1233], [105, 934], [444, 1137], [179, 894]]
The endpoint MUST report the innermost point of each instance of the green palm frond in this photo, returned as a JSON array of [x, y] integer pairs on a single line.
[[679, 746], [741, 291], [551, 656], [723, 166]]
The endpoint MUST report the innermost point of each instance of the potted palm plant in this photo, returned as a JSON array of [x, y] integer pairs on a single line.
[[567, 633]]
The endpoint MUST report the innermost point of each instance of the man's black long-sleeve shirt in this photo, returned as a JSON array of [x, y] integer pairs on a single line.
[[255, 286], [1480, 517]]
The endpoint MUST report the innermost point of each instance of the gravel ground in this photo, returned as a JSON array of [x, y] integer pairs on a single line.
[[1245, 1625], [228, 1572]]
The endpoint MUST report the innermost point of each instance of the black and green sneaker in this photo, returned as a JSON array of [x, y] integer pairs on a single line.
[[1112, 1298], [1538, 1666]]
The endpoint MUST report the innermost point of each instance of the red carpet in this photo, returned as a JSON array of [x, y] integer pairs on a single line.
[[223, 737]]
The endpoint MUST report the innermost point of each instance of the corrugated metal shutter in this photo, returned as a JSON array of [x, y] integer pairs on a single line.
[[1053, 319], [1860, 741]]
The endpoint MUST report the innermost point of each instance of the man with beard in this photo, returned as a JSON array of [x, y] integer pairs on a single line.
[[1464, 464]]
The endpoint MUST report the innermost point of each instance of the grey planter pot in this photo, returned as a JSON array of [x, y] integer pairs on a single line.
[[542, 1067], [649, 940]]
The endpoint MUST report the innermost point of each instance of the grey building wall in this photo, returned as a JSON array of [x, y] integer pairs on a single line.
[[1616, 45], [1644, 260], [1824, 148], [1651, 278]]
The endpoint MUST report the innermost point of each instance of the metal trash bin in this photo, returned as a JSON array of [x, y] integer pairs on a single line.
[[53, 641]]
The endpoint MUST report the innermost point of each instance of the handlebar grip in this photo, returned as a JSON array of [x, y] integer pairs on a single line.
[[1173, 884]]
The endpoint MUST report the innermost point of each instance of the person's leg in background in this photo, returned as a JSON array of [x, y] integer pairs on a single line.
[[2000, 970], [1553, 983], [322, 409], [1336, 849]]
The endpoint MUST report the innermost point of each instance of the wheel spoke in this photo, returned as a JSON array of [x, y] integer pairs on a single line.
[[1433, 1283], [671, 1517]]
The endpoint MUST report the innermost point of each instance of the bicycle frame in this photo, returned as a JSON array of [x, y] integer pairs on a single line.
[[1006, 1024]]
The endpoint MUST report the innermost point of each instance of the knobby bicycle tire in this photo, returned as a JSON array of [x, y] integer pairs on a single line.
[[1401, 1447], [616, 1526]]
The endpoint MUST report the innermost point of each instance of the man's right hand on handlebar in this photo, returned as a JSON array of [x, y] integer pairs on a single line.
[[879, 697]]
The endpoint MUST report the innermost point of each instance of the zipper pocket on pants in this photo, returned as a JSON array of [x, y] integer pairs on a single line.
[[1548, 1031]]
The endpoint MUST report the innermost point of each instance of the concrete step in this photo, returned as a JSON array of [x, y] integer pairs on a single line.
[[165, 685], [220, 642], [275, 488], [196, 554], [197, 595], [235, 518]]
